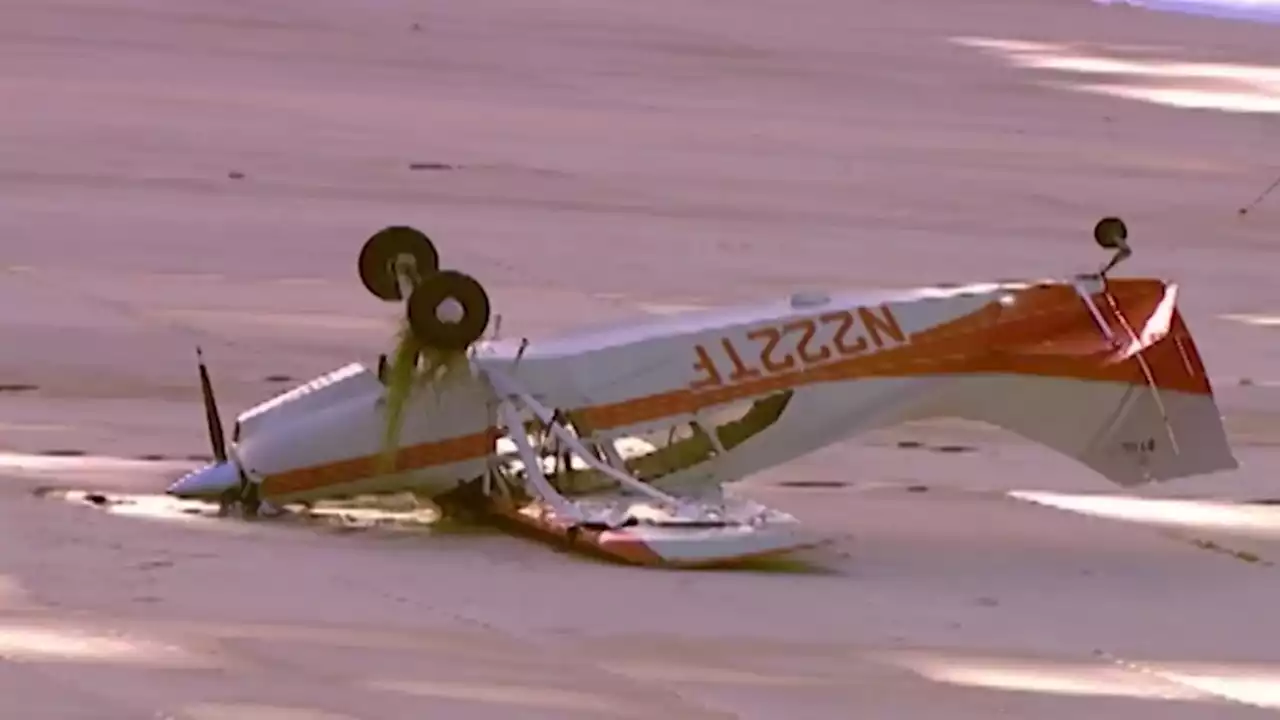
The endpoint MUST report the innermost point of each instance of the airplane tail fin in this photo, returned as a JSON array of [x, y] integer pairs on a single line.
[[1112, 379]]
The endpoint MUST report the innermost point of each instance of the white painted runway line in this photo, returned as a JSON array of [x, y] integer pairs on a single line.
[[1260, 521], [1170, 81], [670, 308], [23, 463], [1257, 320]]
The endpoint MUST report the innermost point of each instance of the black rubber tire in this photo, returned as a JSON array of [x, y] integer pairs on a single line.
[[377, 257], [1108, 230], [435, 333]]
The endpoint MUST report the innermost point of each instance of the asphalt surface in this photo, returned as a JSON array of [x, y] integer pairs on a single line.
[[205, 174]]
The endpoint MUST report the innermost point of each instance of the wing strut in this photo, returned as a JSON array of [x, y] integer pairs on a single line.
[[511, 397]]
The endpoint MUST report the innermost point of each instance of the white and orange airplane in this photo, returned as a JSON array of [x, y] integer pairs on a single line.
[[621, 440]]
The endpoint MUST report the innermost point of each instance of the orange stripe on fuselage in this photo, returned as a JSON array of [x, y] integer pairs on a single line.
[[413, 457], [1044, 332]]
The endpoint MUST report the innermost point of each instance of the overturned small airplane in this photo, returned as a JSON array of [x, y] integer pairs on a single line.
[[620, 440]]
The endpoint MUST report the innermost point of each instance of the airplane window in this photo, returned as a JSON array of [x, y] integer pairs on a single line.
[[733, 426], [762, 414]]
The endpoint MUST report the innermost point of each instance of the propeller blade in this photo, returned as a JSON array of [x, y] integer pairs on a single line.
[[211, 412]]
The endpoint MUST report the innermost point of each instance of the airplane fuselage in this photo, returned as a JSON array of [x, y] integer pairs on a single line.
[[725, 393]]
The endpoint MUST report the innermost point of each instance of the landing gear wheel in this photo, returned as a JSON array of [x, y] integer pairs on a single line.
[[1110, 232], [380, 252], [449, 311]]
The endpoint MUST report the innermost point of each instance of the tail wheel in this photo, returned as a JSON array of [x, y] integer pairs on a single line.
[[380, 252], [449, 311], [1110, 232]]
